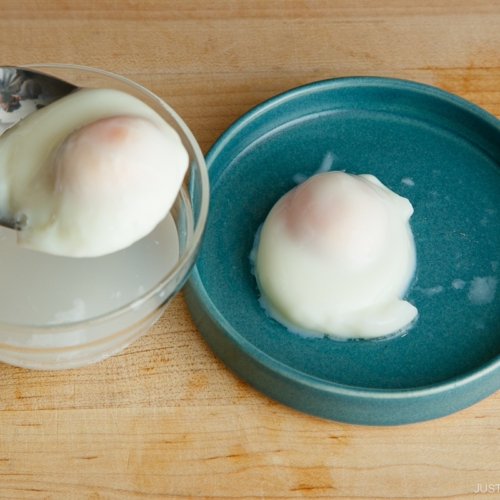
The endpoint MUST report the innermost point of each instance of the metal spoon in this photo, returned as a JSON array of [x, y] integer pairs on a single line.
[[23, 92]]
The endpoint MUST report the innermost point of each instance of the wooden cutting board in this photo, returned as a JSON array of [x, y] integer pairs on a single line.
[[165, 419]]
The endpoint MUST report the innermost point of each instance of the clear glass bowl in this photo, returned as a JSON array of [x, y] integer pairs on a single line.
[[68, 343]]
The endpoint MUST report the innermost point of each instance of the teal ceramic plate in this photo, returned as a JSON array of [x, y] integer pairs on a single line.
[[436, 149]]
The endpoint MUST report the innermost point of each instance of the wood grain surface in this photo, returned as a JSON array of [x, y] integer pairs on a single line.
[[165, 418]]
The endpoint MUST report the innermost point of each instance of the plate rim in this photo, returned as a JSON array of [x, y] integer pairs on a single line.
[[198, 297]]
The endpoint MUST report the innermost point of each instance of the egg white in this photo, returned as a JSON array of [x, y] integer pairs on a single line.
[[90, 197], [336, 256]]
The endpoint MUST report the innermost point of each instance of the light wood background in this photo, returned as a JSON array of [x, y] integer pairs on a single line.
[[165, 419]]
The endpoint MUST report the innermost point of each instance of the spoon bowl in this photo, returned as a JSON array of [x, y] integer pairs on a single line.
[[22, 92]]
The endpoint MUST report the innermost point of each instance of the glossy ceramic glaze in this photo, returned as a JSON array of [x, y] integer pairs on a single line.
[[436, 149]]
